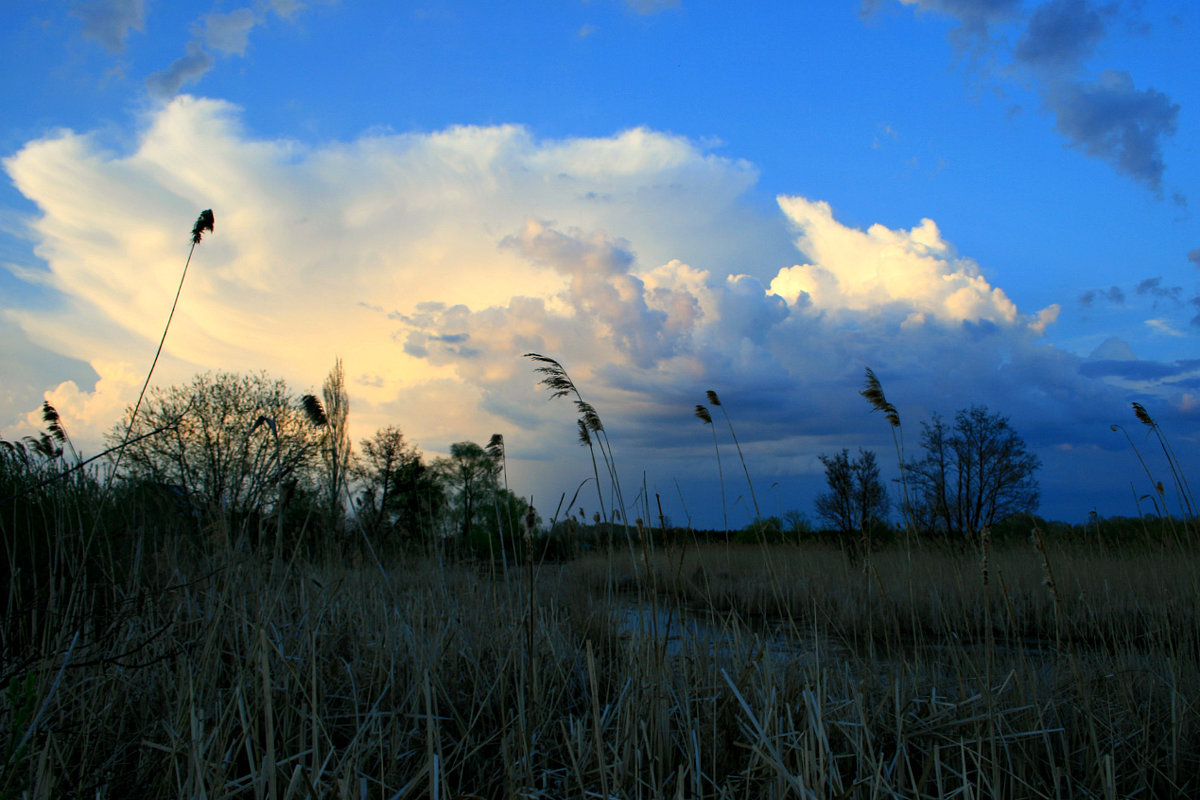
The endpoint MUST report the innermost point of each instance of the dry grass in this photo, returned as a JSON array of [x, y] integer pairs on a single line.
[[249, 681]]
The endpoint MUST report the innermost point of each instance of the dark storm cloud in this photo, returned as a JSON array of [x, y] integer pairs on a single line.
[[109, 21]]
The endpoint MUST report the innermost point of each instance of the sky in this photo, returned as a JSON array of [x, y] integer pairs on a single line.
[[984, 201]]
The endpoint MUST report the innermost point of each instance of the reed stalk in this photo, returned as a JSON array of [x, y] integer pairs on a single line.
[[203, 223]]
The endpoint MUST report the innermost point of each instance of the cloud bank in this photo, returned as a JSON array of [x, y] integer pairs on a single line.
[[432, 262]]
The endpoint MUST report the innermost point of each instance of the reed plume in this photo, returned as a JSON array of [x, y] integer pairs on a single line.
[[591, 429], [204, 222], [314, 410], [55, 428], [704, 416], [1187, 503], [873, 391], [714, 400]]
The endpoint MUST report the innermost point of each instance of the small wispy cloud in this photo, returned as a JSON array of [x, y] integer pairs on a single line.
[[1111, 119], [1164, 327], [110, 21], [184, 70], [1113, 295], [227, 33], [646, 7], [1152, 287], [223, 33]]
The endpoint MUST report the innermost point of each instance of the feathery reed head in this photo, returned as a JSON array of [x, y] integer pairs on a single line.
[[1143, 415], [873, 391], [712, 398], [53, 422], [43, 446], [204, 222], [588, 414], [702, 413], [495, 447], [314, 410], [585, 436], [555, 376]]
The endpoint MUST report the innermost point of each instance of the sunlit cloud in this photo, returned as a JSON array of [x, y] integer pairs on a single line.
[[915, 270]]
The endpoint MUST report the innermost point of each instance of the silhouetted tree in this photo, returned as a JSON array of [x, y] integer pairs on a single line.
[[857, 501], [470, 475], [972, 475], [399, 495], [233, 440]]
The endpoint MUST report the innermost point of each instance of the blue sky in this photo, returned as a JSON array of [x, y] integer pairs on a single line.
[[985, 201]]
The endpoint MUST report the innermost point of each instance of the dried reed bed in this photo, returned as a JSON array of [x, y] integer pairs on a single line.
[[231, 677], [1139, 598]]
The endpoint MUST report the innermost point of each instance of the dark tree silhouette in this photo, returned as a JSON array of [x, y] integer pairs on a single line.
[[972, 475], [399, 494], [856, 501], [470, 474], [233, 440]]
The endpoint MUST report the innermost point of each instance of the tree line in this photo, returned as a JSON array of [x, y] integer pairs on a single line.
[[244, 448]]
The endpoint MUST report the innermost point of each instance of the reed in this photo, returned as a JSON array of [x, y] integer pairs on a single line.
[[237, 679], [702, 413], [715, 400], [204, 223], [592, 434]]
